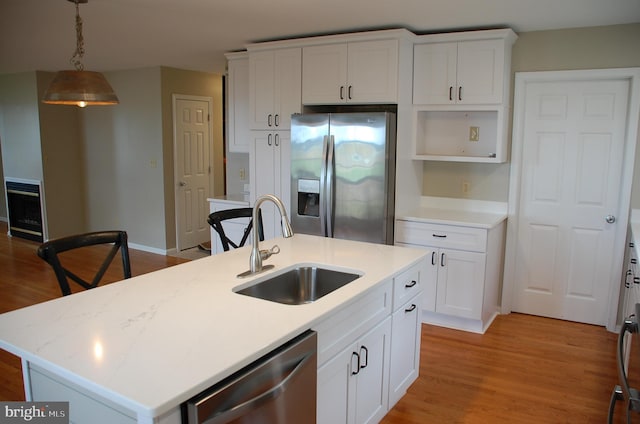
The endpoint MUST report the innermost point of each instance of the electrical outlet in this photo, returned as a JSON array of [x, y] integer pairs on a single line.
[[474, 133], [243, 173], [465, 187]]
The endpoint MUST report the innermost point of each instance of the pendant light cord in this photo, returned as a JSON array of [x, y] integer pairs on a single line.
[[76, 59]]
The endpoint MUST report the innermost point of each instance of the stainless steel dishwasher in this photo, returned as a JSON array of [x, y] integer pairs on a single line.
[[278, 388]]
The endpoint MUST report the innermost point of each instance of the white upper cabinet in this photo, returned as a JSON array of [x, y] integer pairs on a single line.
[[466, 72], [353, 72], [461, 95], [274, 88], [238, 135]]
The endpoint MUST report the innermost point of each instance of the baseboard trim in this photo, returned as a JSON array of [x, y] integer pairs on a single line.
[[150, 249], [457, 323]]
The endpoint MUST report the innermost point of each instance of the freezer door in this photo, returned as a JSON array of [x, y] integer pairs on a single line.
[[309, 134], [361, 187]]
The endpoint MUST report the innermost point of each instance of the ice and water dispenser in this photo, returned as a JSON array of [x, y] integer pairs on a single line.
[[309, 197]]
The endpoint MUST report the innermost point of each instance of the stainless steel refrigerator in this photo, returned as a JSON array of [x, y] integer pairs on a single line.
[[342, 175]]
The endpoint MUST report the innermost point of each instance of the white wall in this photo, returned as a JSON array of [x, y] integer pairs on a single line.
[[124, 189], [235, 163], [19, 126]]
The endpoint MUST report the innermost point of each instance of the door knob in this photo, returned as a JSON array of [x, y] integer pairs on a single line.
[[182, 184], [610, 219]]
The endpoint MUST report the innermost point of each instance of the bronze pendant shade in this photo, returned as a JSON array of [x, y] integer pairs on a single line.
[[79, 87]]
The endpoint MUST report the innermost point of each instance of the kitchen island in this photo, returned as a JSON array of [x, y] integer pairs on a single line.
[[143, 346]]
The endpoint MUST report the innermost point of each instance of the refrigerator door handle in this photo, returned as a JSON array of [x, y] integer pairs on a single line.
[[323, 186], [330, 184]]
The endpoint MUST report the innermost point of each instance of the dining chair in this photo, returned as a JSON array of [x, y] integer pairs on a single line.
[[50, 251], [216, 219]]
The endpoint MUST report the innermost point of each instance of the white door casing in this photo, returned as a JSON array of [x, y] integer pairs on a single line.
[[574, 142], [192, 168]]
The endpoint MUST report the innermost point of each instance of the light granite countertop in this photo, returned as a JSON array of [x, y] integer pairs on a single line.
[[464, 212]]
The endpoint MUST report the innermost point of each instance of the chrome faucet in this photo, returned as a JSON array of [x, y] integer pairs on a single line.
[[257, 255]]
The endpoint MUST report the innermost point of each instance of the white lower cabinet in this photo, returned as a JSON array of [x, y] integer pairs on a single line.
[[353, 385], [405, 349], [369, 352], [406, 331], [461, 284]]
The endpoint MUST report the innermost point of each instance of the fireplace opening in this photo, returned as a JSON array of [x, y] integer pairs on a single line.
[[25, 211]]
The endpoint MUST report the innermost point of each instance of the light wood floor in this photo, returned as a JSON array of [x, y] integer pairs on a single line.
[[525, 369]]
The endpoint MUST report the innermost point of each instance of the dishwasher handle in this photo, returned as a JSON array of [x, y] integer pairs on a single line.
[[238, 410]]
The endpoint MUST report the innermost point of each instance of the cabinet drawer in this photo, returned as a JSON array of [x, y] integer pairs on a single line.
[[405, 286], [439, 235]]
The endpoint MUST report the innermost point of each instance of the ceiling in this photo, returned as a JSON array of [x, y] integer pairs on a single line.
[[194, 34]]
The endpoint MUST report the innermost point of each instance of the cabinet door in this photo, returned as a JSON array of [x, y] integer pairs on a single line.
[[238, 135], [480, 71], [336, 388], [372, 391], [270, 175], [324, 74], [460, 283], [372, 72], [287, 86], [264, 181], [405, 349], [434, 73], [261, 89]]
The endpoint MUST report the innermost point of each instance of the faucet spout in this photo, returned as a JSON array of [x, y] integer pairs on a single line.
[[255, 260]]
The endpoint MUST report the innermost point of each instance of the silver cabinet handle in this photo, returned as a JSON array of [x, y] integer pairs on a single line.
[[349, 92], [460, 93], [450, 93], [269, 119], [442, 259], [342, 92], [277, 140], [610, 219], [277, 120], [269, 140]]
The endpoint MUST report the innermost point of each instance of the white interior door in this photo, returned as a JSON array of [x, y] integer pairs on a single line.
[[571, 197], [192, 164]]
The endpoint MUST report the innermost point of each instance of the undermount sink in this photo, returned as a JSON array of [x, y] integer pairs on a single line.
[[300, 285]]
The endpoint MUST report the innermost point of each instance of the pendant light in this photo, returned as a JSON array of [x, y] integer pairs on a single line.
[[81, 88]]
